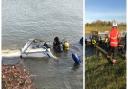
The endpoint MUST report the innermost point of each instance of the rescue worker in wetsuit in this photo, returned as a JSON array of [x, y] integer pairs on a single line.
[[114, 40], [57, 45], [81, 41]]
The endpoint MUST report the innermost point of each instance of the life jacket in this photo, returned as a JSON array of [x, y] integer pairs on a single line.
[[93, 41], [114, 34]]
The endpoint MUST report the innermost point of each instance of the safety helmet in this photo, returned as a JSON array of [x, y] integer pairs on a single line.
[[66, 46], [114, 24]]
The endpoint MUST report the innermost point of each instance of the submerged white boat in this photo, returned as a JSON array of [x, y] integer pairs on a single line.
[[36, 48]]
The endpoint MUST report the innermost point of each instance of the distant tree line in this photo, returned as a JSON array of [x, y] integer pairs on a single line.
[[103, 23]]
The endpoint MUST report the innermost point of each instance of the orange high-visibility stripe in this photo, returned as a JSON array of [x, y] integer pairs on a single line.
[[114, 42]]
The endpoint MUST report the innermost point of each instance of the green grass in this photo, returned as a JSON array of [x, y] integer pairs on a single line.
[[102, 75]]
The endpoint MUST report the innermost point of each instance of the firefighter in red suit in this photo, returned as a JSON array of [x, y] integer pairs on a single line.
[[114, 40]]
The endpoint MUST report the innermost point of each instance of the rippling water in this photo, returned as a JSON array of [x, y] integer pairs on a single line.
[[45, 19], [56, 74]]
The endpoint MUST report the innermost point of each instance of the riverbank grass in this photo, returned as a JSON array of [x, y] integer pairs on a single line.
[[102, 28], [102, 75]]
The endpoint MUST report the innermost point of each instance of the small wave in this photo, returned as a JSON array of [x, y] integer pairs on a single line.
[[10, 53], [32, 75]]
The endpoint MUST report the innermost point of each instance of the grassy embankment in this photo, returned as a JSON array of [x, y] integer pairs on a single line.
[[102, 75]]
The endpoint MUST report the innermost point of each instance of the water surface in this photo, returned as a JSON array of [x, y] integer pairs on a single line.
[[45, 19]]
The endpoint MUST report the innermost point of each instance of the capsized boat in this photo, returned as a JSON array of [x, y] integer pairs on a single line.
[[36, 48]]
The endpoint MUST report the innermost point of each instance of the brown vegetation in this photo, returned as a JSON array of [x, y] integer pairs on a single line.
[[102, 26], [15, 77]]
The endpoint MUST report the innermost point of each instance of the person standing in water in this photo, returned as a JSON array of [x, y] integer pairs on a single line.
[[57, 45]]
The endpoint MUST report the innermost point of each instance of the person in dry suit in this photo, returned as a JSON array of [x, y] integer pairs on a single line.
[[81, 41], [57, 45]]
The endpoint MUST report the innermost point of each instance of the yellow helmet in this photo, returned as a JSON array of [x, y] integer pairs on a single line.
[[66, 45], [114, 24]]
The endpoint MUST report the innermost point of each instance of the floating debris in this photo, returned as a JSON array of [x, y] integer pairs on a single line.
[[16, 77]]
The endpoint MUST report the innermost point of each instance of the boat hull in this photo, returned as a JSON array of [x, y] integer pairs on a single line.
[[34, 54]]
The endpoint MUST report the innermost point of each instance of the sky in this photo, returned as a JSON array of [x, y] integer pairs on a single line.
[[106, 10]]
